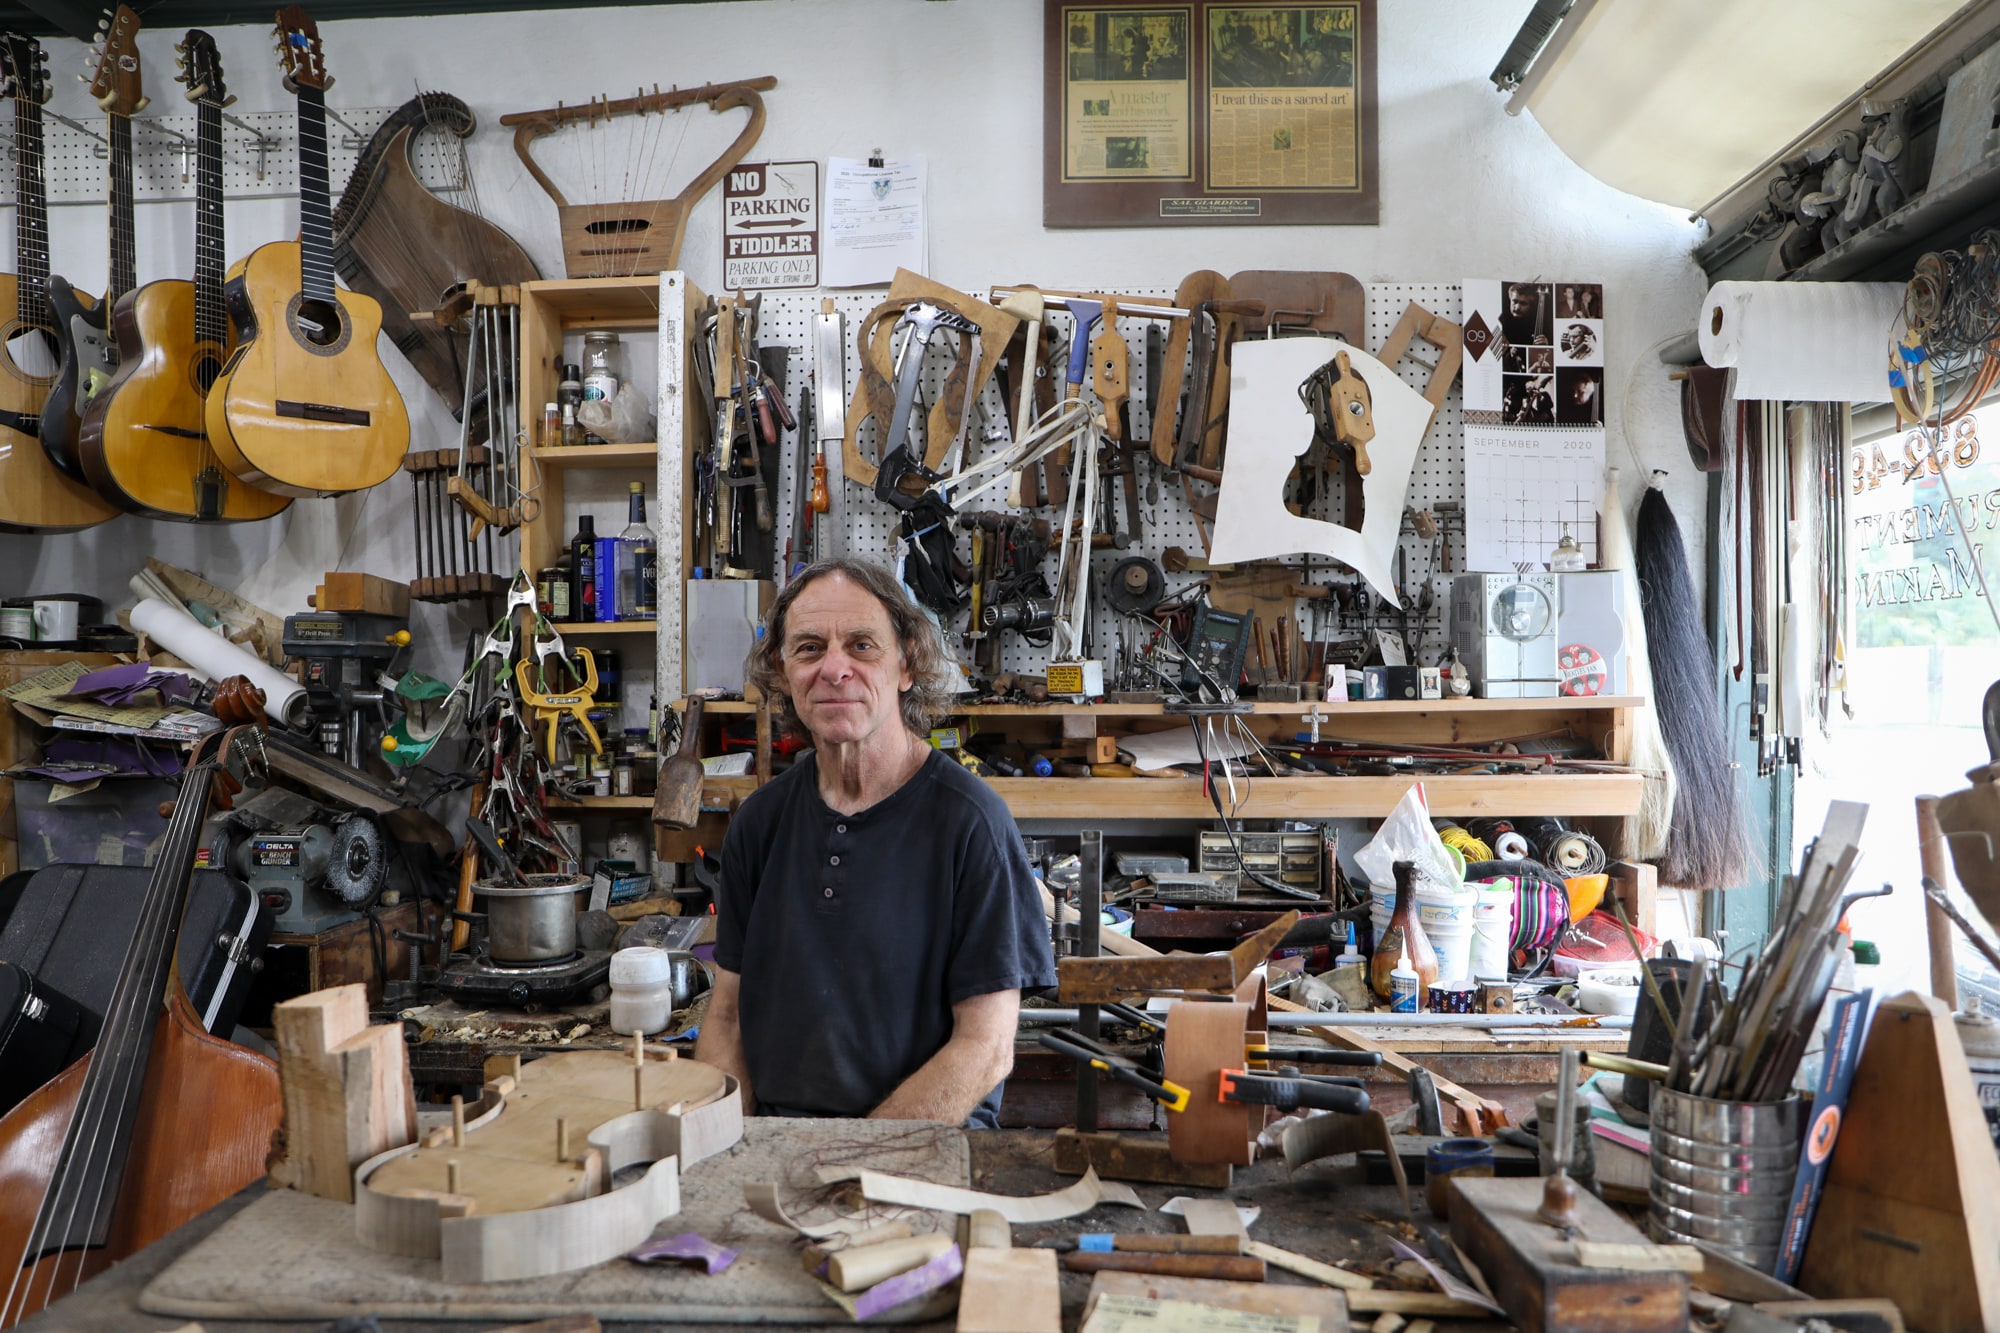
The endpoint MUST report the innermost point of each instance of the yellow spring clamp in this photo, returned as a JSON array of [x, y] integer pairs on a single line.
[[551, 707]]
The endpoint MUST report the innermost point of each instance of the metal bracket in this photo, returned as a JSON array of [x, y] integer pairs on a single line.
[[257, 137]]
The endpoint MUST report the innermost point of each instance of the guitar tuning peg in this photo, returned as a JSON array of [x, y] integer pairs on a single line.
[[229, 101]]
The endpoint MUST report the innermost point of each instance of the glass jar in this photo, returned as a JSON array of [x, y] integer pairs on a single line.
[[603, 369]]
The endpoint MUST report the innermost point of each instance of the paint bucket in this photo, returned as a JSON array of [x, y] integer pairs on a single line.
[[1722, 1173], [1453, 1157], [1447, 919], [1492, 928]]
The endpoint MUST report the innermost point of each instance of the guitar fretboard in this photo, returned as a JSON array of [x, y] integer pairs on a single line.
[[211, 320], [315, 203], [124, 245], [31, 223]]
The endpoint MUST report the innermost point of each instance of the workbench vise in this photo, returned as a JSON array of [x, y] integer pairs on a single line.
[[349, 660]]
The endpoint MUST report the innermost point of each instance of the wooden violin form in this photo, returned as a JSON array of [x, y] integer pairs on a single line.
[[159, 1123], [143, 443], [305, 405], [396, 241], [522, 1187]]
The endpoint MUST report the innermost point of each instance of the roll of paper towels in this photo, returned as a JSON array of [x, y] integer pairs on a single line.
[[1804, 342], [216, 657]]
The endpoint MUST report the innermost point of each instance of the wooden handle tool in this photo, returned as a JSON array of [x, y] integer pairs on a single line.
[[1228, 1267], [677, 798]]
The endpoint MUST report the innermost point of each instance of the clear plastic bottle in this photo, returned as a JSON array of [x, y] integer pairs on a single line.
[[603, 370]]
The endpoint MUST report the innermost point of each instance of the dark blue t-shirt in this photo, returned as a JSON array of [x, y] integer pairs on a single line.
[[855, 934]]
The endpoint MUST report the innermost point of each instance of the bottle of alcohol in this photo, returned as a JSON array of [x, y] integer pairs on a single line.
[[638, 569], [583, 570]]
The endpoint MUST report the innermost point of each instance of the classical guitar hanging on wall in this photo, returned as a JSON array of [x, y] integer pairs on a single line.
[[87, 350], [305, 406], [144, 441], [34, 494], [411, 250]]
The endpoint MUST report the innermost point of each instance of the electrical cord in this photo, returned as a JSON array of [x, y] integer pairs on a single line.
[[1229, 828]]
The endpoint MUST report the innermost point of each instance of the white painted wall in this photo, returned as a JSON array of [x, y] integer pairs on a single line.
[[1467, 191]]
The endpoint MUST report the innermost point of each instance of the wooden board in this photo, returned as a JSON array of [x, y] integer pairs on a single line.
[[293, 1256], [1912, 1199], [1010, 1291], [1324, 1303], [346, 1087], [1203, 1039], [1118, 1157], [365, 593], [1533, 1270]]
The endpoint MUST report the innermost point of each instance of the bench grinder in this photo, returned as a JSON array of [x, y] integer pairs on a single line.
[[312, 868]]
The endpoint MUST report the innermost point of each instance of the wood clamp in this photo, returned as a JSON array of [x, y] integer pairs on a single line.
[[550, 708]]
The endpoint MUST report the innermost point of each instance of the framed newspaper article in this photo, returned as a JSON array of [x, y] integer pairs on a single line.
[[1207, 112]]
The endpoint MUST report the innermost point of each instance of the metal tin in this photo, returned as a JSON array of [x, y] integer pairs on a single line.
[[533, 922], [1722, 1172], [1453, 1157]]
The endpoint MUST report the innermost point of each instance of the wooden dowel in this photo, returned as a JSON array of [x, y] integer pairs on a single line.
[[562, 1139], [1937, 926], [458, 1122], [451, 1176], [638, 1088]]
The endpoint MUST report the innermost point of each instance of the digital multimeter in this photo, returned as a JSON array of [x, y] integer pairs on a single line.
[[1216, 645]]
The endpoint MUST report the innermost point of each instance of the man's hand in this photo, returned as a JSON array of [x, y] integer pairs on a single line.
[[955, 1080], [721, 1042]]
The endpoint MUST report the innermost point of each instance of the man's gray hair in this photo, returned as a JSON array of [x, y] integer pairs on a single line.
[[933, 681]]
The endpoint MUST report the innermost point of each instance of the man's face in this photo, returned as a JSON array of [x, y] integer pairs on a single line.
[[844, 669], [1520, 301]]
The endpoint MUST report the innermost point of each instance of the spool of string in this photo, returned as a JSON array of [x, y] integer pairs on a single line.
[[1569, 851], [1458, 837], [1501, 835], [1707, 846]]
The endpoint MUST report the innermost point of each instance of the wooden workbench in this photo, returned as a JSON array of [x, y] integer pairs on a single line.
[[1320, 1213]]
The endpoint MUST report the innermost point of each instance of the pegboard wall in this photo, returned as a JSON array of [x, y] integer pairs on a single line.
[[788, 319], [260, 155]]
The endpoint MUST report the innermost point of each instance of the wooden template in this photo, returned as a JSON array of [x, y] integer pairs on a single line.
[[346, 1087], [523, 1189]]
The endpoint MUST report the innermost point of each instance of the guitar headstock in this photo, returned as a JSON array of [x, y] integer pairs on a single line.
[[201, 69], [299, 51], [24, 69], [117, 83]]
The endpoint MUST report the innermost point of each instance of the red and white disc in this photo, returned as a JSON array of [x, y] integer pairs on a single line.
[[1583, 671]]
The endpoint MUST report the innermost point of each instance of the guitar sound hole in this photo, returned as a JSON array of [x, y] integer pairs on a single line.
[[32, 349], [615, 226], [206, 372], [321, 322]]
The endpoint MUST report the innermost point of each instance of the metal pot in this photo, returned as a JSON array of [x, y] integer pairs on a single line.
[[533, 922], [690, 977]]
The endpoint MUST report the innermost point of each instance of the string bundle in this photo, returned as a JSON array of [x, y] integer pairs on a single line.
[[1570, 851], [1644, 835], [1501, 835], [1461, 840]]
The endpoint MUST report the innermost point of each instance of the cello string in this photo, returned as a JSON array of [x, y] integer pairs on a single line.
[[660, 201], [131, 1007]]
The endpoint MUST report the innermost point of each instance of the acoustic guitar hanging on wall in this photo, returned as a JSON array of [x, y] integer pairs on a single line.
[[624, 238], [144, 441], [305, 406], [88, 353], [34, 493]]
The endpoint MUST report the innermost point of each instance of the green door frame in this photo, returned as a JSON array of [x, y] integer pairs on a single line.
[[1742, 917]]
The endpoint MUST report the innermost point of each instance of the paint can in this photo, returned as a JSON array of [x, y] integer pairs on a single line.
[[1722, 1173], [1453, 1157]]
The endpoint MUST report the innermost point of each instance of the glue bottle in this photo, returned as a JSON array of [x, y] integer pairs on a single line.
[[1403, 984], [1350, 956]]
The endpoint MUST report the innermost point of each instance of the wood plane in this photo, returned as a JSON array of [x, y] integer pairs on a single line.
[[522, 1188]]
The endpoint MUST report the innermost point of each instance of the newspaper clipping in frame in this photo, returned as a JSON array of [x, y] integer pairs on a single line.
[[1283, 111], [1127, 108]]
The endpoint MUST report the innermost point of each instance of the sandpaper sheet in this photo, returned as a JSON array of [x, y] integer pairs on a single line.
[[294, 1256]]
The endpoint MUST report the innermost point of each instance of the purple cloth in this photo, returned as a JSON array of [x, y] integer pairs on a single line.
[[124, 684], [686, 1248], [81, 757], [906, 1287]]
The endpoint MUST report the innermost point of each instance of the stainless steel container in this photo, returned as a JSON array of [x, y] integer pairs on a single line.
[[533, 922], [1722, 1173]]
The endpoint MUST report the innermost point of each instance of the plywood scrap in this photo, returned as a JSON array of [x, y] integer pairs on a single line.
[[1084, 1195], [1010, 1291], [1305, 1267]]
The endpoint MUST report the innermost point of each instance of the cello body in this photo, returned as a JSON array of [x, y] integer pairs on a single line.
[[295, 415], [144, 441], [205, 1123]]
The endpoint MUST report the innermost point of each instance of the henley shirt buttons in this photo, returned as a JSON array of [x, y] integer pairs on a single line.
[[828, 891], [840, 828], [833, 860]]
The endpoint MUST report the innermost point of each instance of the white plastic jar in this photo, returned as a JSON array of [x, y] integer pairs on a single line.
[[642, 990]]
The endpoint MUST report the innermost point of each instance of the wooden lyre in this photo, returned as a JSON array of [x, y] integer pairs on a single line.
[[618, 239]]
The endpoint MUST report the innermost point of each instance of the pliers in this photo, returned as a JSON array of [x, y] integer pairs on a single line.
[[1066, 1041], [1250, 1087]]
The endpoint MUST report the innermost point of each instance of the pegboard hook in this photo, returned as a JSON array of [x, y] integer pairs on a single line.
[[103, 145], [257, 137]]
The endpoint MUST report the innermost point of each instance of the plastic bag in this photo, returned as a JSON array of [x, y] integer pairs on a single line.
[[1408, 835], [623, 419]]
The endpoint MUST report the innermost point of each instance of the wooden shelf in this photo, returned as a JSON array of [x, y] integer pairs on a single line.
[[1331, 711], [632, 303], [581, 628], [1566, 794], [596, 455], [604, 803]]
